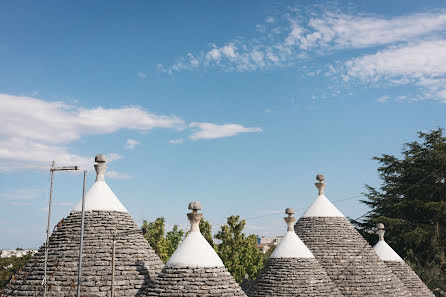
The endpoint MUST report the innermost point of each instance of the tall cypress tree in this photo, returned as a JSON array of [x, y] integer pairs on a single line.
[[411, 202]]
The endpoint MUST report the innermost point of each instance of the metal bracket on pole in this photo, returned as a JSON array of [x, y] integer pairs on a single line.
[[52, 170]]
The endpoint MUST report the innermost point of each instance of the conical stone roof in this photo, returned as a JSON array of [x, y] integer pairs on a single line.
[[292, 270], [136, 262], [345, 255], [195, 268], [397, 265]]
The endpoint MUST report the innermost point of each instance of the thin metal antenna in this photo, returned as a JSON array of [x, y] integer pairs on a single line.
[[79, 272], [52, 169]]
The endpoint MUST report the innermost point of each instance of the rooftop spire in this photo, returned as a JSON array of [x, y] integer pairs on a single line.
[[320, 185], [291, 246], [194, 217], [100, 196], [380, 231], [194, 250], [100, 167], [290, 219], [322, 207]]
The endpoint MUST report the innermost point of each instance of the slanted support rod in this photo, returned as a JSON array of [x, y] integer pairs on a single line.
[[79, 272], [52, 169]]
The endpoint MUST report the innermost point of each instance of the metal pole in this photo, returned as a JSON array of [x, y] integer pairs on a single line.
[[113, 265], [48, 232], [79, 272]]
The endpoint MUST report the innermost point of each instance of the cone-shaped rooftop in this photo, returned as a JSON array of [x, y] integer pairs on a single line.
[[292, 270], [291, 246], [407, 276], [322, 207], [345, 255], [100, 196], [194, 250], [194, 269], [136, 262], [383, 250]]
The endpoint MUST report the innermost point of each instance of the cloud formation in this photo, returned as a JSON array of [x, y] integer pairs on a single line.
[[131, 144], [407, 49], [35, 131], [213, 131], [116, 175], [422, 64]]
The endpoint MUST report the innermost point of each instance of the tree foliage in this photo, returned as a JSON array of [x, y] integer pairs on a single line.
[[9, 267], [163, 244], [411, 202], [238, 252], [206, 231], [173, 239], [154, 233]]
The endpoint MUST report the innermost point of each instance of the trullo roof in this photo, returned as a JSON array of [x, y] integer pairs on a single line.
[[136, 262], [346, 256], [195, 268], [292, 270], [407, 276]]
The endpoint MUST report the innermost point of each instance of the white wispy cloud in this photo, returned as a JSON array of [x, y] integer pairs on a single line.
[[383, 99], [142, 75], [407, 49], [176, 141], [35, 132], [422, 64], [117, 175], [213, 131], [303, 35], [338, 30], [131, 144], [21, 194]]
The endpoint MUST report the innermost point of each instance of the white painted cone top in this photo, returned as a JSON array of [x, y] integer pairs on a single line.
[[322, 207], [291, 246], [194, 251], [100, 197], [383, 250]]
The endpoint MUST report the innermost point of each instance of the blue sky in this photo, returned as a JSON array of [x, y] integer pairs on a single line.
[[237, 104]]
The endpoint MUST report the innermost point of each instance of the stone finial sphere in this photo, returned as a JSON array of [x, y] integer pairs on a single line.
[[320, 177], [100, 158], [380, 226], [195, 205], [290, 211]]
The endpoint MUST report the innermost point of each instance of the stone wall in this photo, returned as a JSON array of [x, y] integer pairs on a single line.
[[409, 278], [136, 262], [293, 277], [347, 258], [195, 282]]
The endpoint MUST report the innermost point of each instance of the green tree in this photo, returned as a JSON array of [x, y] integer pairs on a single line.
[[154, 233], [238, 252], [11, 266], [173, 239], [206, 231], [411, 202], [268, 253]]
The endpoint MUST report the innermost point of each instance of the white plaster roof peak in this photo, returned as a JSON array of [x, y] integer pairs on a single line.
[[322, 207], [100, 196], [383, 250], [291, 246], [194, 251]]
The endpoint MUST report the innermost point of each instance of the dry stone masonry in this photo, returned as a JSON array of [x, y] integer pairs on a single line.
[[136, 262], [397, 265], [194, 270], [292, 270], [345, 255]]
